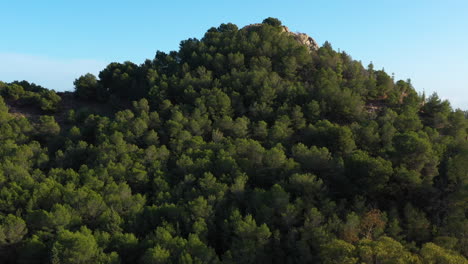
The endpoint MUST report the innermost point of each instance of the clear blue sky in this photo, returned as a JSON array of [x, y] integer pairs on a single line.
[[53, 42]]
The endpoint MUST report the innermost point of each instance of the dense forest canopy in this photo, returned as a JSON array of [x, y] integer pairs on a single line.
[[245, 146]]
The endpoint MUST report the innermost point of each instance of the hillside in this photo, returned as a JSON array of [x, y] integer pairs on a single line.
[[250, 145]]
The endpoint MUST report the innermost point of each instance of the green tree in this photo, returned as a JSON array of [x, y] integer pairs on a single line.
[[431, 253], [338, 251], [12, 230], [250, 240], [48, 127], [156, 255], [369, 175], [76, 247], [272, 21], [385, 250], [87, 86]]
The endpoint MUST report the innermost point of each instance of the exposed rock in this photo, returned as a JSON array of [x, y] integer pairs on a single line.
[[303, 38], [299, 37], [306, 40]]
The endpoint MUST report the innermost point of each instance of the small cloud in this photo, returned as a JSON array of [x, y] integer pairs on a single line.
[[52, 73]]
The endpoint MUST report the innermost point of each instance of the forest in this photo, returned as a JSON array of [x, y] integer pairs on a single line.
[[244, 146]]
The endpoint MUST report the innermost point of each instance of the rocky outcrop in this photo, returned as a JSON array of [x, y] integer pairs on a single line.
[[299, 37], [302, 38]]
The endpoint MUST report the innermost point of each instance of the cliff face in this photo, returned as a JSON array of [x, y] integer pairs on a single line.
[[299, 37]]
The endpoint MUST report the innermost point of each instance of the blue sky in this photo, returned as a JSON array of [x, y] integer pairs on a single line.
[[53, 42]]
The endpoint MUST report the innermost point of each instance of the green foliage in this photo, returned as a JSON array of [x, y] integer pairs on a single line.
[[3, 111], [338, 251], [87, 87], [156, 255], [432, 253], [368, 174], [242, 147], [47, 127], [272, 21], [30, 95], [249, 239], [76, 247], [385, 250], [12, 230]]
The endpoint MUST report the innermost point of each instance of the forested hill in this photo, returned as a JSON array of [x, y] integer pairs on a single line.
[[246, 146]]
